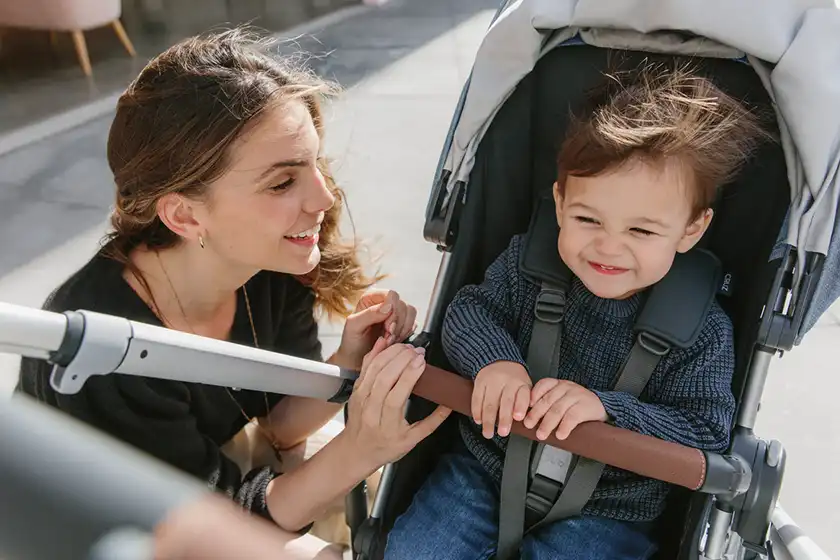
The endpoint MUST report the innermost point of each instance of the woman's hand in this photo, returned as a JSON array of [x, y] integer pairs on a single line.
[[379, 313], [376, 420], [376, 433]]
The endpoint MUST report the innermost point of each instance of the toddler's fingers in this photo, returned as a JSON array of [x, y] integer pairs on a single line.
[[477, 403], [541, 388], [520, 407], [506, 410], [490, 410], [571, 419]]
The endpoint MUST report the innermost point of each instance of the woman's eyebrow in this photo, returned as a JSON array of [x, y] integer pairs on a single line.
[[280, 165]]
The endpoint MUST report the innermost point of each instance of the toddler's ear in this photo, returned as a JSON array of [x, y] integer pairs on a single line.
[[695, 230], [558, 203]]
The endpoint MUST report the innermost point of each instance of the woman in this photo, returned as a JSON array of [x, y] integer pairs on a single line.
[[226, 225]]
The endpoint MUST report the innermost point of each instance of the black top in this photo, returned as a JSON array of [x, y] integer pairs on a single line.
[[183, 424]]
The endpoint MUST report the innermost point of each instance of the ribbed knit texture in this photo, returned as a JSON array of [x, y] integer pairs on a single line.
[[688, 399]]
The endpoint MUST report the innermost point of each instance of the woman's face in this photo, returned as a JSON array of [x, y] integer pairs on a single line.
[[265, 211]]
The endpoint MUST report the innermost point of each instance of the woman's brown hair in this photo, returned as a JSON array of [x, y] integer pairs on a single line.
[[172, 133]]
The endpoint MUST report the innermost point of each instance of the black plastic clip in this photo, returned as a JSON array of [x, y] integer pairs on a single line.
[[550, 306]]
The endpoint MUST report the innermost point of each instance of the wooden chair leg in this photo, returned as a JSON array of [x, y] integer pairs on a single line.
[[120, 31], [82, 52]]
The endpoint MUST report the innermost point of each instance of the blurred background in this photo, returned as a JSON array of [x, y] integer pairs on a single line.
[[402, 64]]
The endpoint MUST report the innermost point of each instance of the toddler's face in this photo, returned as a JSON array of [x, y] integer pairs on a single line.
[[620, 231]]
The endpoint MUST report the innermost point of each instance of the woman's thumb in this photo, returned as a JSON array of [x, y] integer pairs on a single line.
[[373, 315]]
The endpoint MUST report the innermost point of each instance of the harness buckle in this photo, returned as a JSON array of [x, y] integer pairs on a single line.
[[550, 306], [653, 344]]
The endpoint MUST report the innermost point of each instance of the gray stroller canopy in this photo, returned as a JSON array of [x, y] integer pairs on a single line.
[[793, 45]]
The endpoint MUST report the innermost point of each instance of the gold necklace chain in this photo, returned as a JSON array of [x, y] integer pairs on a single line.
[[268, 436]]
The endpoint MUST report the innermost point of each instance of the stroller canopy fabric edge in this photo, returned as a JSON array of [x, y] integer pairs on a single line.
[[795, 50]]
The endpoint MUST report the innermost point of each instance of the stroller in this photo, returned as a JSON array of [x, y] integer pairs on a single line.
[[774, 232], [772, 252]]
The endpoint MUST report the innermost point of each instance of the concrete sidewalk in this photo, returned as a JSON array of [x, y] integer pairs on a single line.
[[403, 65]]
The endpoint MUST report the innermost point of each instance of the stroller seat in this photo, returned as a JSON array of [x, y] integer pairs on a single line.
[[513, 170]]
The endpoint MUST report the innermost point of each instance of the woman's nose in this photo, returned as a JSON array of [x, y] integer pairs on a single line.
[[319, 198]]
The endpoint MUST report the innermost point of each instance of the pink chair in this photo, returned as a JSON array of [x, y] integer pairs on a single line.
[[74, 16]]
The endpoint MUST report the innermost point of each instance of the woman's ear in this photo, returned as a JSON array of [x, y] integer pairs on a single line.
[[177, 213], [695, 230], [558, 203]]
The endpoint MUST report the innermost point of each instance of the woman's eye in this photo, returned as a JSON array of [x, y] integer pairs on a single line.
[[284, 185]]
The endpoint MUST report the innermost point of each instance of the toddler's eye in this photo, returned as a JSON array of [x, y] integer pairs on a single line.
[[586, 220], [643, 232]]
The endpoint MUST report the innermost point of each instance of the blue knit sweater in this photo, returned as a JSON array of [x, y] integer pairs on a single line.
[[688, 399]]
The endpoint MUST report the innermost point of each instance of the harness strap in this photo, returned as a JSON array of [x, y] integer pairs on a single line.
[[543, 361], [579, 486]]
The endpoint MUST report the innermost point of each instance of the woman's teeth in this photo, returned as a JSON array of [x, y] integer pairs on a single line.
[[305, 234]]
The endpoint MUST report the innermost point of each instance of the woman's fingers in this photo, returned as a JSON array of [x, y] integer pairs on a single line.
[[398, 396], [396, 316], [368, 317], [419, 431], [409, 323], [374, 361], [371, 297], [387, 377], [396, 308]]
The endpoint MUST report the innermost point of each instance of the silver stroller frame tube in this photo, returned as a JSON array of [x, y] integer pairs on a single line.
[[82, 344]]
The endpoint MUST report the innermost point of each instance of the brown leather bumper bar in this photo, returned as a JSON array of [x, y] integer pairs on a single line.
[[641, 454]]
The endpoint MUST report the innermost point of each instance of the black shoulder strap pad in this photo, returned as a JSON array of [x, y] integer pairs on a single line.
[[676, 307], [538, 259]]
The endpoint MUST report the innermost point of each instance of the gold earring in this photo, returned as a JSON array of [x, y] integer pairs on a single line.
[[201, 241]]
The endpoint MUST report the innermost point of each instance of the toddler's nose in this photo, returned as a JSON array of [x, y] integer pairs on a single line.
[[608, 246]]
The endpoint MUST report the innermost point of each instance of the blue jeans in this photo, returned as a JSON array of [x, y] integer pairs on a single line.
[[454, 516]]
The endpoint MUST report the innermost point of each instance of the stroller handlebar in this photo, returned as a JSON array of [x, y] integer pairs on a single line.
[[644, 455], [81, 344]]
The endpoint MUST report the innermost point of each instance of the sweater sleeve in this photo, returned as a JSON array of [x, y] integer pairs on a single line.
[[479, 323], [691, 401], [153, 415]]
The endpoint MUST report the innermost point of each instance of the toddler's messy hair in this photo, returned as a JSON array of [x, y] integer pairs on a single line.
[[659, 114]]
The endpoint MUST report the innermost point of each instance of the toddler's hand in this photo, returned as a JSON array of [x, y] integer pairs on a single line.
[[562, 405], [503, 389]]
